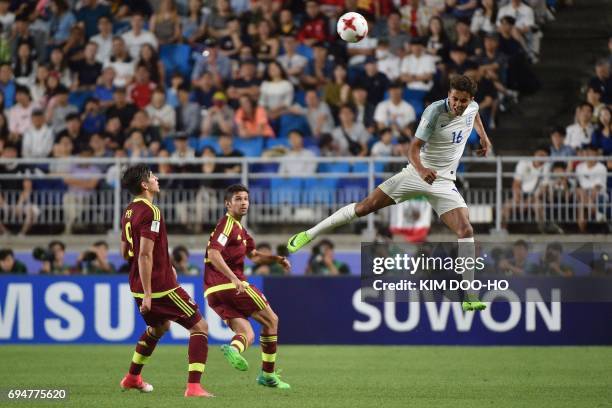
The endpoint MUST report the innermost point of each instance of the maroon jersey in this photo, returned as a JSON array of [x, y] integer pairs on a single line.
[[233, 242], [143, 219]]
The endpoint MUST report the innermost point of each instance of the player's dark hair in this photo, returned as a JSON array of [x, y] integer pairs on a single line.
[[463, 83], [133, 178], [233, 189]]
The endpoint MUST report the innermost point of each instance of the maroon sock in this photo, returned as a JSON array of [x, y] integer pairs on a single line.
[[268, 351], [198, 353], [144, 348]]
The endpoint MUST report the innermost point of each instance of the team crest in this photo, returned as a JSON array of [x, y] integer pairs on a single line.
[[128, 213]]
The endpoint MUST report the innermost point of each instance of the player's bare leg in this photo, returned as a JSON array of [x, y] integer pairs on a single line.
[[268, 340], [144, 348], [244, 337], [198, 354], [373, 202], [459, 222]]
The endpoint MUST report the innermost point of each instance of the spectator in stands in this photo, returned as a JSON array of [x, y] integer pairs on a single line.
[[38, 86], [162, 115], [141, 90], [38, 139], [320, 68], [121, 61], [20, 115], [418, 68], [591, 176], [384, 147], [603, 80], [165, 24], [273, 269], [579, 133], [376, 82], [87, 70], [89, 14], [602, 137], [216, 22], [388, 63], [149, 59], [219, 118], [231, 43], [105, 89], [7, 17], [10, 265], [438, 43], [104, 39], [315, 26], [298, 161], [182, 150], [359, 51], [551, 262], [188, 116], [559, 194], [394, 113], [364, 111], [7, 85], [80, 190], [92, 118], [486, 95], [58, 66], [276, 92], [322, 261], [351, 138], [95, 261], [62, 148], [530, 179], [22, 34], [396, 35], [138, 35], [136, 146], [58, 265], [213, 62], [558, 148], [24, 68], [150, 133], [59, 108], [292, 62], [415, 17], [73, 48], [114, 133], [252, 120], [318, 114], [246, 83], [114, 172], [265, 44], [4, 132], [180, 262], [121, 108], [338, 91], [524, 30], [226, 145], [518, 263], [97, 144], [74, 131], [593, 96], [464, 38], [484, 20], [458, 60]]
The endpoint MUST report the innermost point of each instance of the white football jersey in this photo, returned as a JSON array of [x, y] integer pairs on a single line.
[[446, 135]]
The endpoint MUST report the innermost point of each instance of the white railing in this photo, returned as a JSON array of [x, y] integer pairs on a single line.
[[302, 200]]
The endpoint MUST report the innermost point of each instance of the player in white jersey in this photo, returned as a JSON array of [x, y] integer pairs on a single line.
[[434, 156]]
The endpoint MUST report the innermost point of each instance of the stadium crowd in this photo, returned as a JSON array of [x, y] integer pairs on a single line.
[[187, 78]]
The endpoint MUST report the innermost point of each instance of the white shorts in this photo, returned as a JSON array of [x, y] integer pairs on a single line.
[[442, 194]]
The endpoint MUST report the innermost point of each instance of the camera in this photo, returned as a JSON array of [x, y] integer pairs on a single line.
[[43, 254], [89, 256]]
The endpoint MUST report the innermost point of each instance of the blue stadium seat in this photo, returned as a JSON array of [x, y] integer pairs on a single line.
[[285, 190], [279, 141], [208, 142], [415, 99], [250, 147], [300, 97], [168, 144], [320, 190], [305, 51], [176, 57], [291, 122], [340, 167]]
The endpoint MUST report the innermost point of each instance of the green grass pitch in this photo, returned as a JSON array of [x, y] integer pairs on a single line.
[[325, 376]]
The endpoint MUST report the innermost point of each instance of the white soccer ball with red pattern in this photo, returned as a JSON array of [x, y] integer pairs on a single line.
[[352, 27]]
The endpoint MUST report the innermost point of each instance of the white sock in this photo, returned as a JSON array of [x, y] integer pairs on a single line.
[[343, 216], [467, 249]]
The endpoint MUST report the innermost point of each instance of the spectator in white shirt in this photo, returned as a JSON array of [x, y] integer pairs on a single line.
[[418, 68], [592, 178], [122, 63], [394, 112], [276, 95], [580, 132], [524, 30], [388, 63], [350, 138], [138, 36], [38, 139], [384, 147], [292, 62], [161, 114], [104, 39], [318, 114], [20, 115], [297, 161]]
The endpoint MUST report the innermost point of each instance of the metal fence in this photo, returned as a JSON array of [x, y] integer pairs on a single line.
[[195, 198]]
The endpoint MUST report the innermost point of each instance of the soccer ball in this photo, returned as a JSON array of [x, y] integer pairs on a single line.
[[352, 27]]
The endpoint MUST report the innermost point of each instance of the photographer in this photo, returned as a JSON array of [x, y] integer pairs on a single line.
[[517, 264], [274, 269], [551, 265], [52, 259], [95, 260], [180, 261], [322, 261], [10, 265]]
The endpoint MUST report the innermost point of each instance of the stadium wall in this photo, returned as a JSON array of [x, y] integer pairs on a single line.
[[90, 309]]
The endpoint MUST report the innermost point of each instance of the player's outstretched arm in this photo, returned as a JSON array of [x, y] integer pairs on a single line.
[[219, 263], [264, 259], [485, 143]]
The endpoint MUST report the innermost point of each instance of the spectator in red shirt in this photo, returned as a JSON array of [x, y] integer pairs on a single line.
[[142, 89], [315, 27]]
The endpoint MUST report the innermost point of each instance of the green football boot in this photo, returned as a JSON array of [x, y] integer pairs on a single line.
[[298, 241], [234, 358], [474, 305], [272, 380]]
